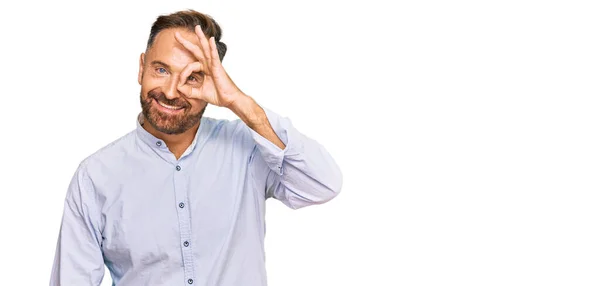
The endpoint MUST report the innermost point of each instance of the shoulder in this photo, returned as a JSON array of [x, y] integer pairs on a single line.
[[110, 154]]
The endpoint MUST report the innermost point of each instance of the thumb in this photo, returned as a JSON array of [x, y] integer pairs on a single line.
[[187, 90]]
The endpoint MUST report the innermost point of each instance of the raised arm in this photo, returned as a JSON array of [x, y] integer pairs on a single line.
[[298, 170], [301, 171]]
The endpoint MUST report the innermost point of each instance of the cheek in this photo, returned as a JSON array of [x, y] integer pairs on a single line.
[[144, 92], [148, 86], [150, 82]]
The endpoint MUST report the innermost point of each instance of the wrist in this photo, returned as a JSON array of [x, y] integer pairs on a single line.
[[249, 111]]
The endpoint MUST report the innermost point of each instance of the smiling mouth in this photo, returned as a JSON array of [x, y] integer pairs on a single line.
[[170, 107]]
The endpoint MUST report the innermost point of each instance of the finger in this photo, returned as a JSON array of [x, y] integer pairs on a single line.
[[203, 42], [188, 70], [194, 49], [194, 92], [213, 50], [189, 91]]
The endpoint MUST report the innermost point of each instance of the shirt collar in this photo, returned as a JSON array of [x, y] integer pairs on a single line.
[[154, 142]]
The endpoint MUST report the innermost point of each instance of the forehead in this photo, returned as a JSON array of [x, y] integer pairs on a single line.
[[167, 49]]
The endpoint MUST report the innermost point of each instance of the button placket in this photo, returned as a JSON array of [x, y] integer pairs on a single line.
[[183, 214]]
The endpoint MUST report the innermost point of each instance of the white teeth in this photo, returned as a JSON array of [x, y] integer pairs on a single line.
[[168, 106]]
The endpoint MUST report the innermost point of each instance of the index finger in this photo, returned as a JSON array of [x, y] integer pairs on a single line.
[[194, 49], [191, 68]]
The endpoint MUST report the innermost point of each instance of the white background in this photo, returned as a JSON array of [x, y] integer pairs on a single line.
[[467, 131]]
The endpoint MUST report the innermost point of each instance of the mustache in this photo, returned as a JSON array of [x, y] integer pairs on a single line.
[[161, 97]]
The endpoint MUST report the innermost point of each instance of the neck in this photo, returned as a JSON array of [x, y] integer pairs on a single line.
[[177, 143]]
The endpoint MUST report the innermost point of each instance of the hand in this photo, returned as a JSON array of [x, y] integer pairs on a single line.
[[212, 84]]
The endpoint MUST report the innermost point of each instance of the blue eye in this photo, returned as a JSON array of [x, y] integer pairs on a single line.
[[161, 70]]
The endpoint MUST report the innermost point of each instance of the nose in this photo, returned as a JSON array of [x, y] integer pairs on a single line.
[[170, 88]]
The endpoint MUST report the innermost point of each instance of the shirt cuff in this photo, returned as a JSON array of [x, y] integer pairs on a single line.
[[271, 153]]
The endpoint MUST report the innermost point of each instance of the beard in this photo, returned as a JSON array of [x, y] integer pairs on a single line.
[[169, 123]]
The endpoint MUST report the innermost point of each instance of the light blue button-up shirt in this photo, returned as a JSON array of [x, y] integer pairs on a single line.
[[153, 219]]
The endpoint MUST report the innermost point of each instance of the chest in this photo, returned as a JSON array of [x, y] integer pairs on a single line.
[[150, 212]]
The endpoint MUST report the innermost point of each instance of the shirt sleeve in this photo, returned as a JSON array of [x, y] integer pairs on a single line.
[[303, 173], [78, 258]]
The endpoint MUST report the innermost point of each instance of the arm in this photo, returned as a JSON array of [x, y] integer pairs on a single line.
[[300, 171], [78, 259]]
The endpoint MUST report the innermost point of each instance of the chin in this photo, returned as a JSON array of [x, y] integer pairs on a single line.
[[172, 124]]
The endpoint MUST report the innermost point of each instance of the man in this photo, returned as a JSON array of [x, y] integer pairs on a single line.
[[181, 199]]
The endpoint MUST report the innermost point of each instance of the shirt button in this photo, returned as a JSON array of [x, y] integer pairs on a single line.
[[178, 168], [158, 143], [186, 244], [181, 205], [190, 281]]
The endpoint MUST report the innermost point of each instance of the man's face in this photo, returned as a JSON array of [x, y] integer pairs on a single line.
[[164, 107]]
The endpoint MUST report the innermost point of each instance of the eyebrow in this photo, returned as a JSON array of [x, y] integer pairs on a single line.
[[153, 63]]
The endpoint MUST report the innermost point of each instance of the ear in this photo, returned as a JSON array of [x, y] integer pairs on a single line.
[[141, 71]]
